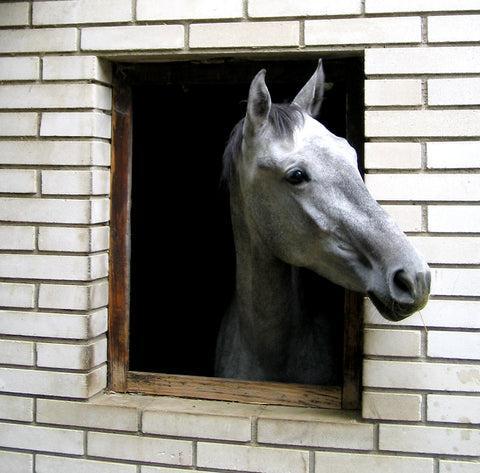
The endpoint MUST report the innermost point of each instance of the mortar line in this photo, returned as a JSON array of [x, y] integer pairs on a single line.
[[301, 39], [311, 461], [30, 23], [134, 11]]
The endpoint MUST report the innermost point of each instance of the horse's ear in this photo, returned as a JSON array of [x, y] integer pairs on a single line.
[[309, 99], [259, 104]]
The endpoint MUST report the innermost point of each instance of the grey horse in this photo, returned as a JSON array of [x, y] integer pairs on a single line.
[[297, 200]]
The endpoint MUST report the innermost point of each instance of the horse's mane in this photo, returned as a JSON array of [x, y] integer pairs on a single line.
[[283, 119]]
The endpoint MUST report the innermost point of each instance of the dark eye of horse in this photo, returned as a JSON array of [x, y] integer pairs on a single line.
[[297, 176]]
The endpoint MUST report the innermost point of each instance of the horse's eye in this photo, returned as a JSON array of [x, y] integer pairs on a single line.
[[297, 176]]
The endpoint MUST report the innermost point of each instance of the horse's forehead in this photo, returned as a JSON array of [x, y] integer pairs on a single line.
[[313, 138]]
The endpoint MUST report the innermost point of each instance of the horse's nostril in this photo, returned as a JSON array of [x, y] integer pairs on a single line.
[[403, 284]]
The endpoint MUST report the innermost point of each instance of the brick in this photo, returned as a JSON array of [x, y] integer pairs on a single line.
[[400, 6], [453, 28], [420, 439], [422, 123], [430, 187], [55, 96], [48, 464], [54, 210], [184, 424], [81, 414], [15, 181], [73, 297], [200, 407], [139, 38], [39, 40], [93, 124], [76, 67], [391, 406], [393, 155], [454, 91], [19, 68], [422, 60], [251, 459], [453, 408], [81, 11], [18, 124], [342, 462], [461, 345], [16, 408], [16, 462], [41, 438], [448, 250], [69, 356], [393, 92], [39, 324], [454, 218], [156, 469], [266, 9], [392, 342], [82, 268], [437, 313], [187, 10], [447, 466], [51, 383], [455, 282], [407, 217], [14, 14], [315, 434], [363, 31], [140, 449], [72, 239], [17, 237], [14, 352], [453, 154], [95, 182], [54, 153], [17, 295], [421, 375], [232, 35]]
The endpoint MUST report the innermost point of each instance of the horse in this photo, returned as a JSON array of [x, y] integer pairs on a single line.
[[297, 200]]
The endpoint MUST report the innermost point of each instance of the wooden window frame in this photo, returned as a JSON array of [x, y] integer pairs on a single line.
[[122, 380]]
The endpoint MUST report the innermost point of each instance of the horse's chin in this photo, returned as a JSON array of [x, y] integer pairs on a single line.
[[394, 311]]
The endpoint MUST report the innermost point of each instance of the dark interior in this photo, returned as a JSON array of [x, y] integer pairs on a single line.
[[182, 253]]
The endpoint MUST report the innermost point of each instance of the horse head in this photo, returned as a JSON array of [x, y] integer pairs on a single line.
[[304, 198]]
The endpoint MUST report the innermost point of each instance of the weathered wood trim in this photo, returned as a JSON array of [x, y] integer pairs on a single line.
[[256, 392], [120, 192]]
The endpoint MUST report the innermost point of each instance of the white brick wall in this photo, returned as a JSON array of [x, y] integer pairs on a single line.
[[363, 31], [14, 14], [25, 124], [19, 68], [18, 462], [132, 38], [39, 40], [81, 11], [341, 462], [442, 29], [421, 408], [186, 9], [141, 449], [237, 35], [392, 406], [461, 59], [251, 459]]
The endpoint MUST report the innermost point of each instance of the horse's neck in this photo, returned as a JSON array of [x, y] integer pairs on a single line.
[[266, 299]]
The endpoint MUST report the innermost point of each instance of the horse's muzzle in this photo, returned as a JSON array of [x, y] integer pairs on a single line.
[[408, 293]]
